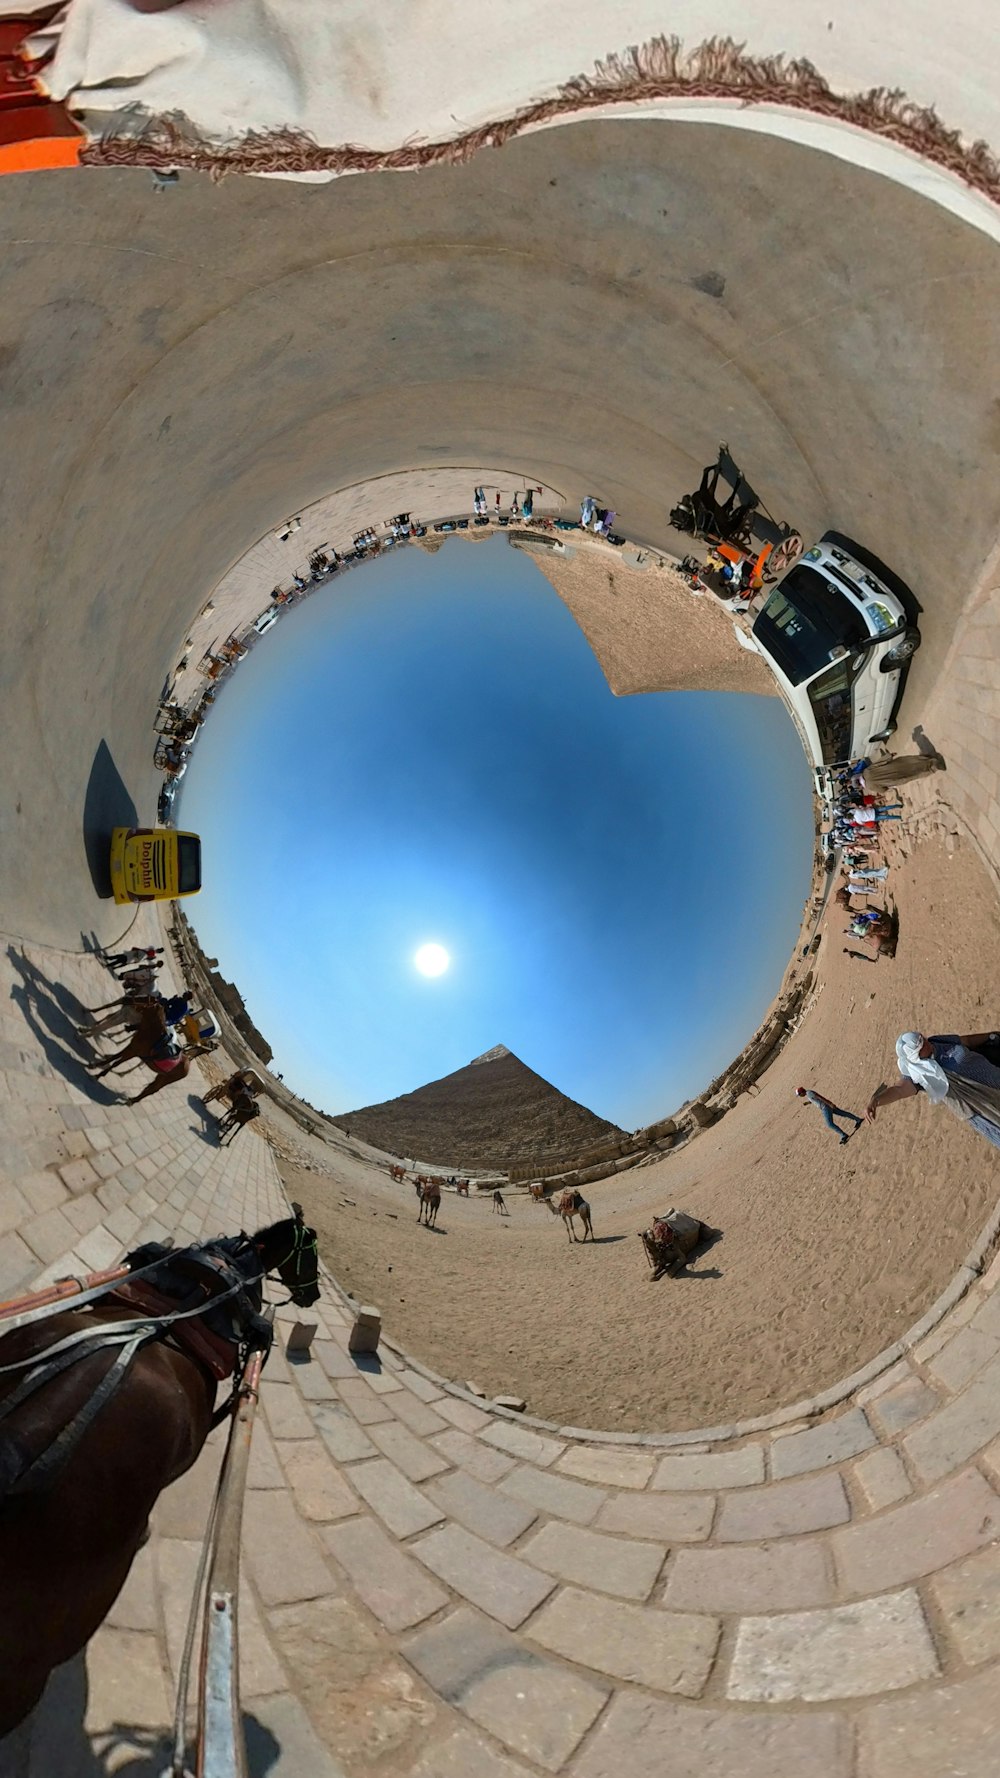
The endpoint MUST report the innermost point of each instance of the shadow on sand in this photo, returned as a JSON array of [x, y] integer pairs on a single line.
[[107, 804]]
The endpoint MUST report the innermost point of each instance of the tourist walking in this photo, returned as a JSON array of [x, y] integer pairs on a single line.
[[830, 1111], [951, 1071]]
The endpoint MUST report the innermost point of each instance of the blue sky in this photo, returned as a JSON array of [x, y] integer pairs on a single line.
[[427, 749]]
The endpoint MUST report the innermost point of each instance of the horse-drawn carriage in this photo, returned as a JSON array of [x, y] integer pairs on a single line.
[[671, 1240], [739, 527], [239, 1094]]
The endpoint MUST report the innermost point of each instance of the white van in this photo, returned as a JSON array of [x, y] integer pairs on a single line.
[[265, 620], [838, 641]]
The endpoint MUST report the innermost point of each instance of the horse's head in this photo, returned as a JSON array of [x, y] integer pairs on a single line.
[[290, 1249]]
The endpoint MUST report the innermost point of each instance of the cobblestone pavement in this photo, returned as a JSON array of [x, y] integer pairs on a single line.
[[433, 1589]]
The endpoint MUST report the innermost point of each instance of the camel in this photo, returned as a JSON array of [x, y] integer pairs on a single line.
[[537, 1193], [462, 1188], [499, 1207], [573, 1203], [396, 1172], [430, 1201], [149, 1045]]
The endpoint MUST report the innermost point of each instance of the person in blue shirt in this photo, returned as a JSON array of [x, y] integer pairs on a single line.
[[830, 1111]]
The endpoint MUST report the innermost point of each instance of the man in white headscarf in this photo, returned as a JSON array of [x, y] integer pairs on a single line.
[[951, 1071]]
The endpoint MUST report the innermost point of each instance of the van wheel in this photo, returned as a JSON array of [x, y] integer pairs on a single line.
[[884, 734], [901, 650]]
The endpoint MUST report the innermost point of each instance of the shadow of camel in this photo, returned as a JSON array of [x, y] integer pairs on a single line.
[[106, 805], [54, 1739], [601, 1240], [51, 1013]]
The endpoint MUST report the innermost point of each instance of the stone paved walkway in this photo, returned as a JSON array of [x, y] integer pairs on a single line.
[[434, 1590]]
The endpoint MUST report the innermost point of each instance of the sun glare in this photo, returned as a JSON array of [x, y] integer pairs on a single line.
[[432, 959]]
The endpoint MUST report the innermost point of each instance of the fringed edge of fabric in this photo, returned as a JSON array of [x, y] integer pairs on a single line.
[[719, 68]]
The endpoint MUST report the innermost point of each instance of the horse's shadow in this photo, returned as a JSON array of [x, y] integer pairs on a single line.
[[53, 1739], [51, 1013], [603, 1240], [208, 1128]]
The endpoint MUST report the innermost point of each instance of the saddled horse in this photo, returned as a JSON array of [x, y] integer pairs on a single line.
[[571, 1204], [430, 1201], [150, 1044], [101, 1407]]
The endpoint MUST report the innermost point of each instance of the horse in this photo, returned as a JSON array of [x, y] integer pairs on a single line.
[[87, 1445], [462, 1188], [537, 1193], [396, 1172], [430, 1201], [571, 1204], [243, 1110], [149, 1045], [499, 1207]]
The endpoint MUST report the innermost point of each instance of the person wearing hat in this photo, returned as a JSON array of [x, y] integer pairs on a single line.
[[830, 1111]]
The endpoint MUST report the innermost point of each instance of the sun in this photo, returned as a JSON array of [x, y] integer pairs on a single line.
[[432, 959]]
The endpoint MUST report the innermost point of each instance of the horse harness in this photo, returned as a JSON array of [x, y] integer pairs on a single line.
[[197, 1300]]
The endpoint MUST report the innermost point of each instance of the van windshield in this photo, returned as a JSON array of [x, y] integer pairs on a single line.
[[188, 863], [804, 618]]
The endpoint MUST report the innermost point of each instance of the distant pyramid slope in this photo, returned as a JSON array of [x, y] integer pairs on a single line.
[[494, 1112]]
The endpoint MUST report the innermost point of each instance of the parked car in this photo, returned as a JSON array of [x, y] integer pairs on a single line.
[[839, 641], [265, 620]]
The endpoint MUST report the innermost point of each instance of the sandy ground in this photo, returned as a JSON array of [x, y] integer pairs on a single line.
[[828, 1253]]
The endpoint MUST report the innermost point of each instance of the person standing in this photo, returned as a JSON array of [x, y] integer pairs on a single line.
[[950, 1071], [830, 1111]]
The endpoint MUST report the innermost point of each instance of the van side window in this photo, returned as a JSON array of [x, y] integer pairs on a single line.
[[830, 697]]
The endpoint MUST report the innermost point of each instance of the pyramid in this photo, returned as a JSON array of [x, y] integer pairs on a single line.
[[493, 1113]]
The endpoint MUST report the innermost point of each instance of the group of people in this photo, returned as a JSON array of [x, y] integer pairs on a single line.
[[598, 519], [521, 506]]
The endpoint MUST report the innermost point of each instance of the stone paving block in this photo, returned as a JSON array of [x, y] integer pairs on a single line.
[[368, 1408], [832, 1442], [415, 1459], [264, 1471], [591, 1559], [379, 1377], [670, 1651], [950, 1731], [903, 1406], [284, 1557], [392, 1585], [485, 1511], [98, 1250], [14, 1206], [78, 1175], [49, 1235], [965, 1354], [848, 1651], [464, 1755], [17, 1263], [740, 1578], [420, 1386], [958, 1429], [502, 1586], [786, 1509], [137, 1605], [611, 1466], [918, 1537], [282, 1743], [85, 1213], [642, 1737], [125, 1684], [968, 1598], [283, 1409], [366, 1706], [416, 1415], [44, 1191], [539, 1709], [482, 1461], [519, 1441], [881, 1477], [716, 1469], [556, 1494], [318, 1486], [334, 1359], [461, 1413], [398, 1504], [182, 1509], [340, 1432], [987, 1318]]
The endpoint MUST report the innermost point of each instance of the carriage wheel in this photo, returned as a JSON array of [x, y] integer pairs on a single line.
[[782, 556]]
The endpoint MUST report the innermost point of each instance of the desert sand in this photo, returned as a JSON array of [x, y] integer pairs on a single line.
[[828, 1254]]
